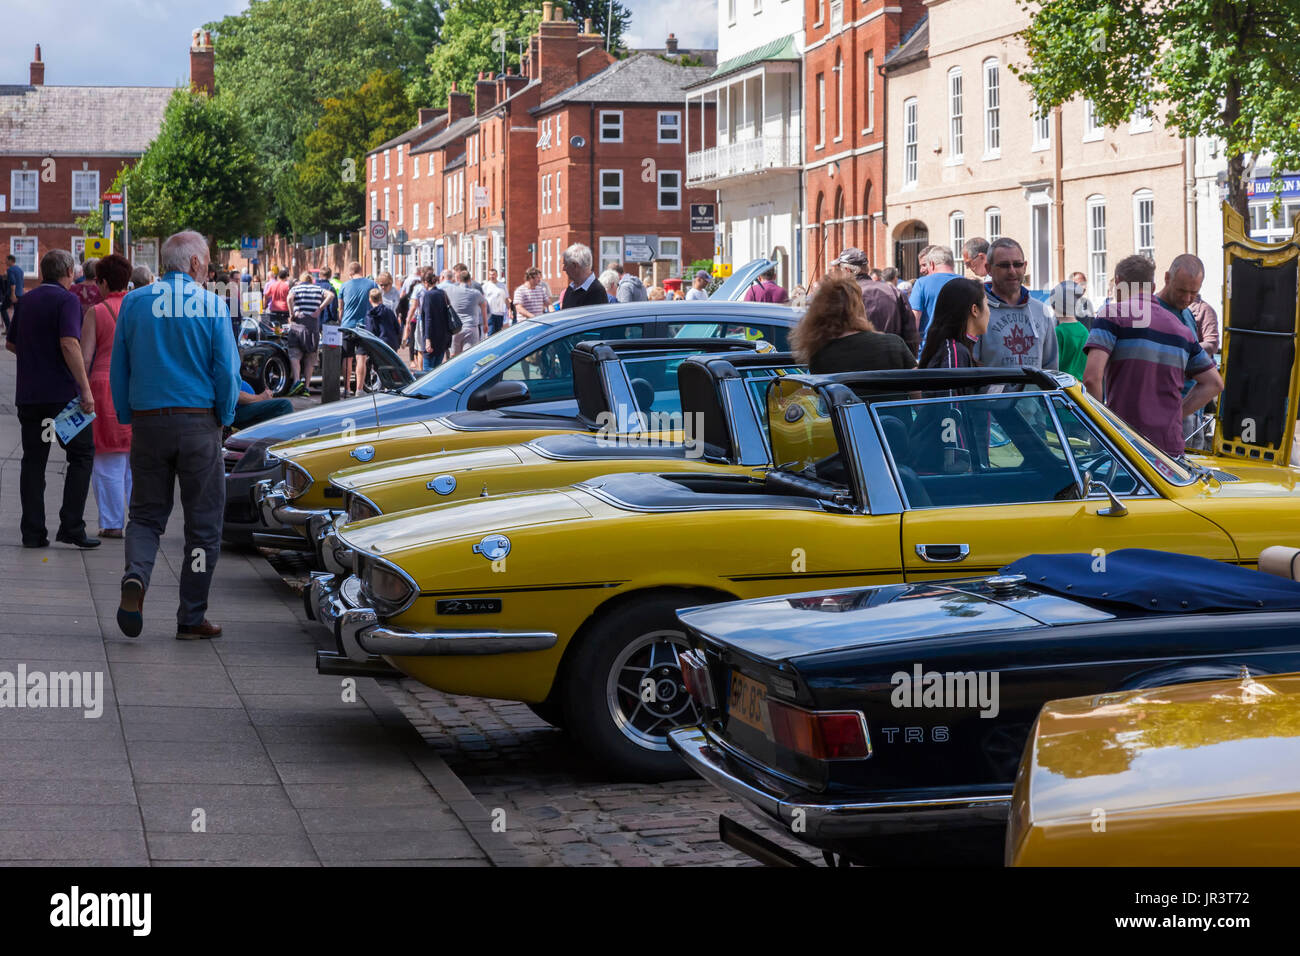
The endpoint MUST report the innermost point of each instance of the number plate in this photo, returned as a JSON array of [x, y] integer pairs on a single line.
[[746, 701]]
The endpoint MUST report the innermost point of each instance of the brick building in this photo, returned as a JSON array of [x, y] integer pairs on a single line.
[[62, 146], [469, 186], [845, 45]]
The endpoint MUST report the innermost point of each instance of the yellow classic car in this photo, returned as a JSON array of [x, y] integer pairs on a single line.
[[567, 598], [622, 387], [724, 423], [1204, 774]]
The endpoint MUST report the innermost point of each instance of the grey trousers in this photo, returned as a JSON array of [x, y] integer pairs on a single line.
[[165, 449]]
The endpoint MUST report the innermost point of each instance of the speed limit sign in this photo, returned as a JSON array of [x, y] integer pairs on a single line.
[[379, 234]]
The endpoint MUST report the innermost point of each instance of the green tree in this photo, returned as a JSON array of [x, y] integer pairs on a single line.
[[478, 36], [280, 59], [613, 28], [329, 193], [199, 173], [1225, 68], [420, 27]]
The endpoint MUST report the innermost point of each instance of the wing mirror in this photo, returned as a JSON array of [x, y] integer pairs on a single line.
[[1086, 486], [498, 396]]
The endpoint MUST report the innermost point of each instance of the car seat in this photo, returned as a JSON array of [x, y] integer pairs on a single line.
[[1284, 562], [644, 392]]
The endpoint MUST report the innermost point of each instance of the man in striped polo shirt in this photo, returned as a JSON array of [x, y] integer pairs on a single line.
[[533, 297], [1139, 354], [307, 301]]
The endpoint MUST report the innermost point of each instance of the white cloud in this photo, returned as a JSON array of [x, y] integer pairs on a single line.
[[695, 22]]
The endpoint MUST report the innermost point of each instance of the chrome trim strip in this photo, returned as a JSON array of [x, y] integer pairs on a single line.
[[367, 557], [830, 819], [923, 552], [397, 642]]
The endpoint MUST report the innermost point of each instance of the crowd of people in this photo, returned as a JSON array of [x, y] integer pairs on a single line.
[[1147, 353]]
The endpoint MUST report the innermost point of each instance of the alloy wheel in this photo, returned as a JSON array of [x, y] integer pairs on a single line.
[[645, 692]]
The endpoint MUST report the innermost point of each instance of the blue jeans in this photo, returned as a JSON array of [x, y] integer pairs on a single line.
[[495, 323]]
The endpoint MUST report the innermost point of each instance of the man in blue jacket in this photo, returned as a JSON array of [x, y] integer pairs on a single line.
[[175, 381]]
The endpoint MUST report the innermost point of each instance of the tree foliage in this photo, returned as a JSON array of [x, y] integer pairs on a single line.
[[279, 60], [1223, 68], [200, 173], [329, 192], [478, 36], [419, 29], [601, 22]]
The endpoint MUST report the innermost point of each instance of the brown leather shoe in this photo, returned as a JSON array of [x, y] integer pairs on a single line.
[[198, 632]]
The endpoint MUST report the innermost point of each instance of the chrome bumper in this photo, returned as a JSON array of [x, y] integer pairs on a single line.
[[273, 505], [331, 553], [337, 606], [813, 816]]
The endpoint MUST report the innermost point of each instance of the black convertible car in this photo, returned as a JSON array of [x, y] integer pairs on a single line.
[[885, 724]]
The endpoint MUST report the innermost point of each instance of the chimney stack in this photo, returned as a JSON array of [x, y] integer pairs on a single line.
[[485, 94], [586, 26], [203, 77], [670, 45], [37, 69], [547, 7], [459, 105], [427, 114]]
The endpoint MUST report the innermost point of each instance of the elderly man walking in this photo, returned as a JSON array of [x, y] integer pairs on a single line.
[[46, 336], [175, 380]]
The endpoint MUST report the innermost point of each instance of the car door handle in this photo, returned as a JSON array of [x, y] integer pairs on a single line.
[[943, 553]]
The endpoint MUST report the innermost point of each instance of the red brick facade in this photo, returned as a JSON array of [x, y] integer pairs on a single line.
[[504, 158], [844, 147]]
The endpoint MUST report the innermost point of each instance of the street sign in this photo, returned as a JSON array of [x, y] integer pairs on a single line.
[[480, 197], [401, 236], [331, 334], [111, 197], [722, 269], [400, 249], [247, 243], [379, 234], [116, 212], [702, 217], [97, 246], [640, 248]]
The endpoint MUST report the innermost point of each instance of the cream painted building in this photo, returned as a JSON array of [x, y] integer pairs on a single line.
[[967, 156]]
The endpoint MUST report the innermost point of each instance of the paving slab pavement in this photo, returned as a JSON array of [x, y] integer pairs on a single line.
[[231, 751]]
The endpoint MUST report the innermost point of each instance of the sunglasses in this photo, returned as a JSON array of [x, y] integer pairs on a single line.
[[1010, 264]]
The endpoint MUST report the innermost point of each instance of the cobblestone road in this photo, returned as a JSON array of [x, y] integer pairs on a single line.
[[559, 810]]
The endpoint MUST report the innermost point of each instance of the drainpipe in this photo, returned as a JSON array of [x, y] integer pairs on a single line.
[[591, 181], [1189, 191], [884, 160], [1058, 200]]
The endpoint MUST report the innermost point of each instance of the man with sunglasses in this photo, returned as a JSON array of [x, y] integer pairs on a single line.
[[1020, 332]]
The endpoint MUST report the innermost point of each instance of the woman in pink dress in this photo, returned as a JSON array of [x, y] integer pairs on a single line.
[[111, 477]]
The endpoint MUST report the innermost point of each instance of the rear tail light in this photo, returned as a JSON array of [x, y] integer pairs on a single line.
[[821, 735], [695, 675]]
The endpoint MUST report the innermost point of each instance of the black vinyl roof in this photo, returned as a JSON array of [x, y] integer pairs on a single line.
[[926, 380]]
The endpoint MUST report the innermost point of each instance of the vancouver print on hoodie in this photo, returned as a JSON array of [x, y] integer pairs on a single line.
[[1019, 333]]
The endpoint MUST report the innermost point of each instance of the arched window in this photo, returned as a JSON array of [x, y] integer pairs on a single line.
[[1144, 218], [992, 223], [992, 108], [955, 134]]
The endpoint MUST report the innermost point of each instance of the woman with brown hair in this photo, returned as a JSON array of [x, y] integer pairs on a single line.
[[111, 476], [835, 335]]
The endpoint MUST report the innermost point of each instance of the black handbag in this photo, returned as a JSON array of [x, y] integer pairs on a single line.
[[454, 323]]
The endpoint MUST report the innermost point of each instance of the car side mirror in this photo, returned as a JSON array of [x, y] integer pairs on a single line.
[[498, 396], [1116, 508]]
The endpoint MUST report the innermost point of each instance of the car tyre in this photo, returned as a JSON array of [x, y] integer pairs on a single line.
[[603, 690], [549, 711]]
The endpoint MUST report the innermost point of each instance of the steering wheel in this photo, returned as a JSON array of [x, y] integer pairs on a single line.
[[1101, 465]]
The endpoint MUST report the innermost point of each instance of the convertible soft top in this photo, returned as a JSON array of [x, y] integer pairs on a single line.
[[1157, 581]]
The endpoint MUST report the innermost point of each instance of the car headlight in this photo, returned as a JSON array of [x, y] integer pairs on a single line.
[[360, 507], [296, 480], [386, 587]]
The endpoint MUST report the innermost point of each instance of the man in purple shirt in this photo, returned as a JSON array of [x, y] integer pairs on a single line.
[[46, 336], [1139, 354]]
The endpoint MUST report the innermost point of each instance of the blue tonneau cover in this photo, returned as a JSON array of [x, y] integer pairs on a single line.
[[1158, 581]]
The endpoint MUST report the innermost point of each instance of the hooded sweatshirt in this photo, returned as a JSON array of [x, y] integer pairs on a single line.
[[632, 289], [1019, 333]]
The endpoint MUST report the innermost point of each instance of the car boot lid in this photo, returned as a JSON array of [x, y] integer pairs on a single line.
[[480, 518]]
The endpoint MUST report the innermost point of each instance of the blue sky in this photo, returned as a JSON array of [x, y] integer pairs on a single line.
[[146, 42]]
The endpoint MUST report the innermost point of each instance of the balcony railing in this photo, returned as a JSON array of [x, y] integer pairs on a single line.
[[743, 156]]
